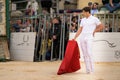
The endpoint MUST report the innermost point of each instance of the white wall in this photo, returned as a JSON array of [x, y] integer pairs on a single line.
[[106, 47], [22, 46]]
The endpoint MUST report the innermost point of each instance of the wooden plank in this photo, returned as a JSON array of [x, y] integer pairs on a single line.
[[2, 56], [4, 52]]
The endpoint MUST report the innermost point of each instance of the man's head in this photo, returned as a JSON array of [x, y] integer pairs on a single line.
[[19, 21], [90, 4], [86, 11], [56, 20], [95, 5]]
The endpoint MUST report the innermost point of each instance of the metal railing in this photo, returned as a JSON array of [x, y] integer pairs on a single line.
[[110, 21], [45, 27]]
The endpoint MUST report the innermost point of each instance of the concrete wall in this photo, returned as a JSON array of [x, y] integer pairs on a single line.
[[22, 46]]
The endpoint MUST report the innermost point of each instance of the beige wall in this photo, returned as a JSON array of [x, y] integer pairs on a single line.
[[82, 3], [61, 4], [3, 19]]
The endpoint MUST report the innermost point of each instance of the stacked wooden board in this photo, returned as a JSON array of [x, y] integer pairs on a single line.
[[4, 52]]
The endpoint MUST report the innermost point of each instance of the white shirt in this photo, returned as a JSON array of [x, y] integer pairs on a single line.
[[89, 24], [34, 5], [94, 11]]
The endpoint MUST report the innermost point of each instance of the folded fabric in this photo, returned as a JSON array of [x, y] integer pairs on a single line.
[[71, 62]]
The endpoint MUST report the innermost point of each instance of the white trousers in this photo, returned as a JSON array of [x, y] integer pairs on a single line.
[[86, 42]]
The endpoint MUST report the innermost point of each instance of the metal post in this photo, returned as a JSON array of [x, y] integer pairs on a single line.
[[51, 58], [117, 22], [57, 6], [60, 47], [113, 21], [63, 44], [7, 20], [44, 38]]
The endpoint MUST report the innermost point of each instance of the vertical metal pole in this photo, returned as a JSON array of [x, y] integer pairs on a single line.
[[44, 38], [40, 25], [35, 23], [57, 6], [7, 20], [52, 45], [116, 24], [104, 20], [113, 22], [37, 41], [63, 44], [60, 48], [70, 23], [108, 22]]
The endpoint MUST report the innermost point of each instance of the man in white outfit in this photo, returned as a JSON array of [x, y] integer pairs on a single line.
[[88, 26], [33, 4]]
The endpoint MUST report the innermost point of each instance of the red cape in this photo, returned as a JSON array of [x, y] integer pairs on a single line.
[[71, 62]]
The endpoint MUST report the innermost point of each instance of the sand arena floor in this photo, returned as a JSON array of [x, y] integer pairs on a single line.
[[18, 70]]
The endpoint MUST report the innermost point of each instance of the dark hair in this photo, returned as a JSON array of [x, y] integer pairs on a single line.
[[96, 3], [86, 9], [90, 3], [58, 18]]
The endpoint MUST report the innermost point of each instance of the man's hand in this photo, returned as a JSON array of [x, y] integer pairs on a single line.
[[54, 37], [112, 5]]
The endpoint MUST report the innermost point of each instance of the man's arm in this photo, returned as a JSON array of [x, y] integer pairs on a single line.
[[78, 33], [111, 3], [99, 28], [28, 4]]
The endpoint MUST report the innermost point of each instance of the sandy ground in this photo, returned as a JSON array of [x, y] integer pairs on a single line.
[[17, 70]]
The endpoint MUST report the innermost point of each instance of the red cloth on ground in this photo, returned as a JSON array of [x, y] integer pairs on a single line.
[[71, 62]]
